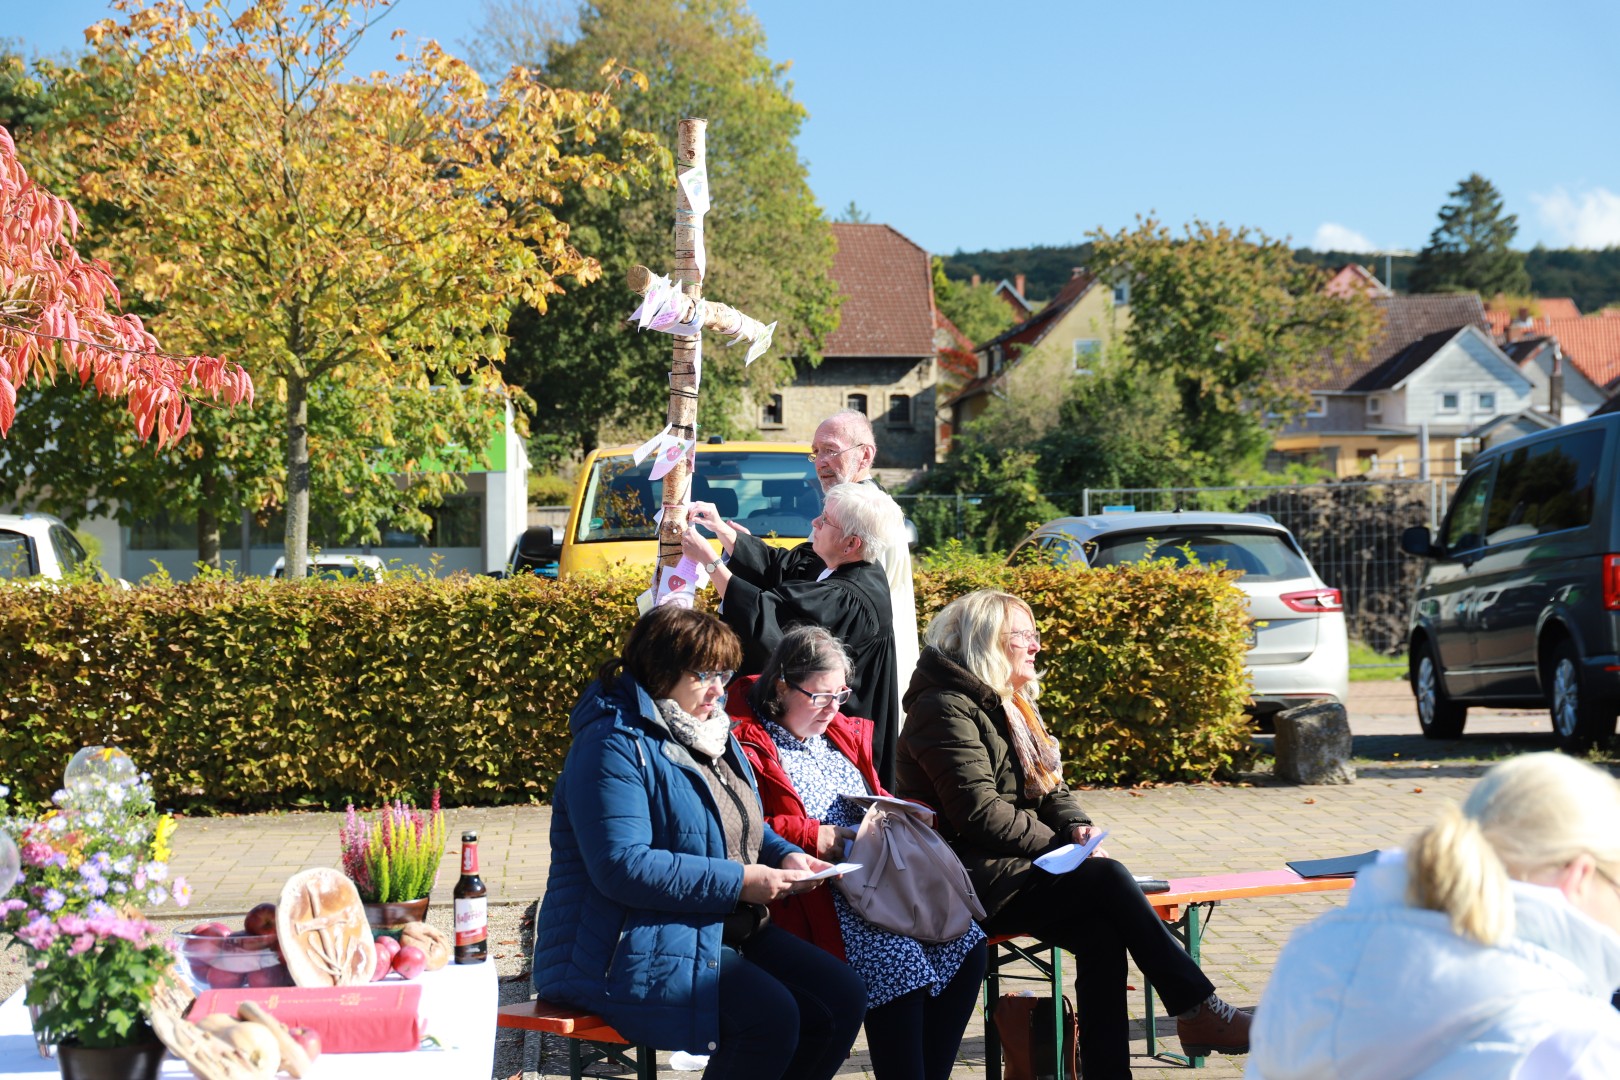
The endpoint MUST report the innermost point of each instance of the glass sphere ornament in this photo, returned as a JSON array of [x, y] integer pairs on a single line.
[[96, 768]]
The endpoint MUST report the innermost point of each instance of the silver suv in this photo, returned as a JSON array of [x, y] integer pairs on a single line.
[[1299, 651]]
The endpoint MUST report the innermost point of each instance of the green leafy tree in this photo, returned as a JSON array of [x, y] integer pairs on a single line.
[[1117, 428], [1468, 251], [357, 243], [1231, 320], [769, 245], [974, 309]]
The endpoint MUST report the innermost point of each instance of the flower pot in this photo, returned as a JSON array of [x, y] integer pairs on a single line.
[[387, 920], [140, 1061]]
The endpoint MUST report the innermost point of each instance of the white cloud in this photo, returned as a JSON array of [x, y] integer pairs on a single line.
[[1590, 219], [1331, 237]]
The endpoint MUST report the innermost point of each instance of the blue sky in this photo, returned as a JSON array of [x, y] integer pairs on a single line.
[[993, 125]]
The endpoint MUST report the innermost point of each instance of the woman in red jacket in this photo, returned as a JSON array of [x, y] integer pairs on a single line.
[[806, 756]]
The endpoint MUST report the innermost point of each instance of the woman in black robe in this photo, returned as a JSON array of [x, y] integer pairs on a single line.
[[850, 598]]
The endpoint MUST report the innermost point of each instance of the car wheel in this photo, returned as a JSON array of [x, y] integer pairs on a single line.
[[1578, 719], [1438, 715]]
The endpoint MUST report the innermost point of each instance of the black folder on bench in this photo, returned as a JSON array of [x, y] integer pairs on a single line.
[[1343, 866]]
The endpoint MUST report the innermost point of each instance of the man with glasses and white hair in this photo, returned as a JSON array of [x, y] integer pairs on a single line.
[[849, 596]]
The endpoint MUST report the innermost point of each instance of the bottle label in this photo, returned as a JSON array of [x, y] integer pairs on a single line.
[[469, 858], [472, 920]]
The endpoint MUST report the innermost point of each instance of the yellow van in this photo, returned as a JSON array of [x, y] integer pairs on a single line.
[[771, 488]]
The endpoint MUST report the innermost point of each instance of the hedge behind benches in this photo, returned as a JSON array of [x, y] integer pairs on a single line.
[[256, 694]]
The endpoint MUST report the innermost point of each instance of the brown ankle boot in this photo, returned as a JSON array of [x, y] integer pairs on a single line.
[[1214, 1027]]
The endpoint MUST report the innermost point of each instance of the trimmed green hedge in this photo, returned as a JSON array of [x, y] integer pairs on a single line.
[[245, 695]]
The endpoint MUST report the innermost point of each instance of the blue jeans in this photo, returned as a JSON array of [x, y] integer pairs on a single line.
[[788, 1011]]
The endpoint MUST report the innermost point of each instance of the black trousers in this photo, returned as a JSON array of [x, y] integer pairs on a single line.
[[916, 1036], [788, 1011], [1098, 912]]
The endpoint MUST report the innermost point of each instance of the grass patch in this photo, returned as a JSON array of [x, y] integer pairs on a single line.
[[1388, 667]]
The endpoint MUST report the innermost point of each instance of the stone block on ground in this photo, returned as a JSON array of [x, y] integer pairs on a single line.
[[1313, 745]]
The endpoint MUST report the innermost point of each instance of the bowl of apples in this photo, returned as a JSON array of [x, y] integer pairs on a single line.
[[219, 958]]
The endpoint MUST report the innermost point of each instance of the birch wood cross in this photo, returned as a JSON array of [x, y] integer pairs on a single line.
[[690, 263]]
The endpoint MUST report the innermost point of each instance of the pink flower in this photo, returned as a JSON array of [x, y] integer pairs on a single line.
[[182, 892]]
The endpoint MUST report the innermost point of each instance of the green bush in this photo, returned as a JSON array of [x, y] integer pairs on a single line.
[[255, 694]]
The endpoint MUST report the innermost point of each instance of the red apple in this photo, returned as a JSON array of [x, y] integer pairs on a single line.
[[410, 961], [200, 971], [261, 920], [308, 1038], [220, 979], [386, 948], [275, 975], [206, 950]]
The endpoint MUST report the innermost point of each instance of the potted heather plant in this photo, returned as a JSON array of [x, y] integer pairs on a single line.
[[393, 860]]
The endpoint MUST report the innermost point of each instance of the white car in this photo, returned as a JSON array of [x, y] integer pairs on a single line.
[[1300, 649], [41, 546], [364, 567]]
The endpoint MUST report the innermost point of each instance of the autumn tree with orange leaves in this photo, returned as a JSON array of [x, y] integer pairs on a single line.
[[358, 242], [59, 313]]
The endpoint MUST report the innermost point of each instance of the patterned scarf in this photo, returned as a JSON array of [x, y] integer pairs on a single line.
[[706, 737], [1037, 751]]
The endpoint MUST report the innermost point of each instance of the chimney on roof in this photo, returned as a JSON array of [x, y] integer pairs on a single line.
[[1077, 271], [975, 281], [1018, 283], [1555, 385], [1521, 327]]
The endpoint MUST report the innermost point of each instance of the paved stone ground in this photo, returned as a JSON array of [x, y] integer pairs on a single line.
[[1178, 831]]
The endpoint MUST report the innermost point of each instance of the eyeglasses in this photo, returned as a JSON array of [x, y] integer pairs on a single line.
[[825, 455], [719, 678], [1613, 884], [821, 701], [1025, 638]]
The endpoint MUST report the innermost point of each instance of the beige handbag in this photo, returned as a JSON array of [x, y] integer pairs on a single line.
[[910, 881]]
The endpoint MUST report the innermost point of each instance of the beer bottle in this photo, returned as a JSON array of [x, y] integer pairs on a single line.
[[471, 906]]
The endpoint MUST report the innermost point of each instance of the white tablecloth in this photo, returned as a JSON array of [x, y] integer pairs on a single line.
[[458, 1000]]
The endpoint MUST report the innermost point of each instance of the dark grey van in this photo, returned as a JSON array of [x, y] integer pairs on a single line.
[[1520, 607]]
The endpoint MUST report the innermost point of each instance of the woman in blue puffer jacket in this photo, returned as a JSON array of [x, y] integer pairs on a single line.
[[661, 867]]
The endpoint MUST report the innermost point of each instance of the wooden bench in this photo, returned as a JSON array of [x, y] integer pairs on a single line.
[[590, 1038], [1186, 907]]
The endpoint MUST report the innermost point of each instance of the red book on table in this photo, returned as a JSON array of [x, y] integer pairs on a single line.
[[377, 1018]]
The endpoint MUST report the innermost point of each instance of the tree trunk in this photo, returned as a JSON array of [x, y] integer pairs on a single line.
[[207, 520], [295, 548], [690, 153]]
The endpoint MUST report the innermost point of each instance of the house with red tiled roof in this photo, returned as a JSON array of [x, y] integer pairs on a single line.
[[1032, 360], [1353, 278], [1434, 390], [1011, 293], [882, 358]]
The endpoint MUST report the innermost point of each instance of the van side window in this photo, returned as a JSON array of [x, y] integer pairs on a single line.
[[1545, 488], [1464, 524]]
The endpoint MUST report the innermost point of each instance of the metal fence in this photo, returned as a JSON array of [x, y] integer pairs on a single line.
[[1350, 531]]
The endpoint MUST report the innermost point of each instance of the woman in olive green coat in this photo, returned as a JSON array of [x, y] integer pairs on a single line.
[[974, 747]]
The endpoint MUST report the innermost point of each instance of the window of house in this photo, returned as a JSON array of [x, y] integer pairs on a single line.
[[1486, 402], [1318, 406], [899, 410], [1449, 401], [1375, 406], [1122, 294], [770, 413], [856, 403], [1086, 350]]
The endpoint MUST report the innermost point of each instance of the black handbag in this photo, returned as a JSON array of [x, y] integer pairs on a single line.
[[743, 922]]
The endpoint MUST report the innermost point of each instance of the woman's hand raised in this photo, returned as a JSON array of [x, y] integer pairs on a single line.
[[708, 516]]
